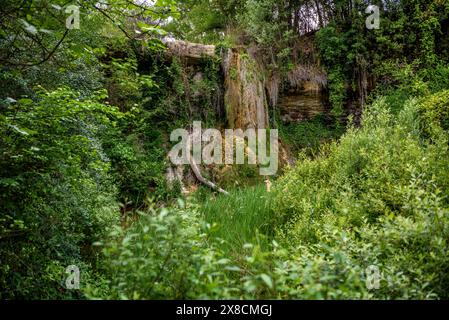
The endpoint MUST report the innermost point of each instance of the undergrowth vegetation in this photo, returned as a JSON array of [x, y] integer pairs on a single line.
[[378, 197], [245, 216], [51, 144], [85, 122], [309, 135]]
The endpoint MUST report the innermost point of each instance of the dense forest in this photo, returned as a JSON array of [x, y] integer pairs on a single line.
[[93, 207]]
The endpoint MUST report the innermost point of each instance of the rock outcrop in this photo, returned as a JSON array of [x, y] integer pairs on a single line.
[[302, 103], [245, 98], [304, 96]]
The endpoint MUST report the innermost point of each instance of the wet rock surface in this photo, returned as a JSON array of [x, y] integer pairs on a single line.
[[302, 104]]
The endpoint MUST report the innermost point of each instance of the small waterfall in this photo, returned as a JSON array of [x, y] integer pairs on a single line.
[[245, 98]]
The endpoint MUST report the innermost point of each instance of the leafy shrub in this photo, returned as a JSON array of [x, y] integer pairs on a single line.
[[162, 255], [56, 196], [138, 165], [169, 254], [435, 110], [379, 197]]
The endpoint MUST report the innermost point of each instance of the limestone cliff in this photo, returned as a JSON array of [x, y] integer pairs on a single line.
[[298, 95], [245, 98]]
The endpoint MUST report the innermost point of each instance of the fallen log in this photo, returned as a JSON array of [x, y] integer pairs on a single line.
[[196, 170], [189, 51]]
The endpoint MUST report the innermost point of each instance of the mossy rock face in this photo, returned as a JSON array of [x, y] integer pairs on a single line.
[[245, 98], [302, 104]]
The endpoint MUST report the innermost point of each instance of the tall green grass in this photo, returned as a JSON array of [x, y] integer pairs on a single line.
[[245, 216]]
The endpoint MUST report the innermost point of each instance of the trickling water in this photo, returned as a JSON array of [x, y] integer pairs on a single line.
[[245, 99]]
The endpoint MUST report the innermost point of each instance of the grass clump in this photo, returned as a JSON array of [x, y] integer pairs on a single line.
[[245, 216]]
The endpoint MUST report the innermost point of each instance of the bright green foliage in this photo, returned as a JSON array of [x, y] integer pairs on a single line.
[[167, 255], [379, 197], [135, 149], [333, 49], [351, 52], [126, 85], [56, 195], [85, 117], [435, 109], [203, 20], [262, 23], [158, 96], [163, 255], [243, 217]]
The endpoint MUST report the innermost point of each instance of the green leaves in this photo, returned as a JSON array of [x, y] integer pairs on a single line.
[[23, 131], [267, 280], [29, 27], [10, 182], [150, 29], [365, 201], [54, 182]]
